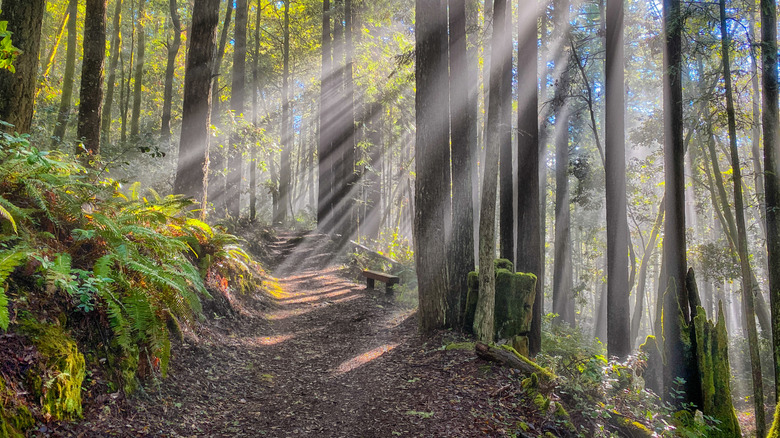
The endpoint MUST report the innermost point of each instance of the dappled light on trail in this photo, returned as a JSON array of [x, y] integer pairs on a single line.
[[364, 358]]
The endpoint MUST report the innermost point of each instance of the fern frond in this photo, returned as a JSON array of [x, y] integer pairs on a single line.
[[7, 215], [4, 317], [9, 260]]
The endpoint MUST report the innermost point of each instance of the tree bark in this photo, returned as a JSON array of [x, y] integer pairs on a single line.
[[139, 72], [675, 298], [747, 289], [116, 50], [769, 122], [170, 69], [528, 231], [484, 315], [237, 105], [192, 165], [92, 76], [432, 185], [464, 137], [618, 320], [325, 139], [285, 177], [506, 212], [67, 80], [17, 90], [218, 186]]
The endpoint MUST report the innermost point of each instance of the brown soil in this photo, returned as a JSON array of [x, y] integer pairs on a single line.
[[329, 359]]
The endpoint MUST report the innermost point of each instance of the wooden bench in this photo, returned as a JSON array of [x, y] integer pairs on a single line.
[[389, 280]]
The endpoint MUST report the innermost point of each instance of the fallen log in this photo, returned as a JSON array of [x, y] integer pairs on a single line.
[[509, 357]]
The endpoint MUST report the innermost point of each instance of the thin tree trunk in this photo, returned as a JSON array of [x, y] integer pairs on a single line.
[[747, 289], [325, 139], [218, 187], [237, 104], [285, 182], [53, 52], [139, 72], [67, 80], [506, 211], [192, 167], [646, 258], [116, 51], [255, 111], [170, 68], [92, 76]]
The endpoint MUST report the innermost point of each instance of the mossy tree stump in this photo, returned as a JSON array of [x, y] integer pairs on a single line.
[[515, 295]]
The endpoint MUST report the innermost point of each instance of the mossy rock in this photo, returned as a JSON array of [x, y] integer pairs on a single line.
[[515, 295], [58, 383]]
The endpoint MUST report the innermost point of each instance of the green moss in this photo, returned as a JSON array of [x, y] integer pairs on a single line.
[[713, 362], [654, 371], [775, 431], [560, 411], [515, 295], [460, 346], [59, 382], [632, 428], [542, 402], [543, 372], [15, 418]]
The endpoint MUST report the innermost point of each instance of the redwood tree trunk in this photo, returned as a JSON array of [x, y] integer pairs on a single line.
[[17, 90], [769, 122], [92, 75], [463, 94], [528, 231], [432, 186], [618, 313], [285, 177], [196, 109], [325, 138]]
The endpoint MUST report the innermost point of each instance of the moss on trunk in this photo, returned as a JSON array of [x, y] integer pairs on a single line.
[[713, 360], [515, 295], [15, 418]]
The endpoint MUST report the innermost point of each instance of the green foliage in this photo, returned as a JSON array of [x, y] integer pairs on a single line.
[[8, 52], [126, 262]]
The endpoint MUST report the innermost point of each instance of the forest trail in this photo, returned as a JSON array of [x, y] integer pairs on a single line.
[[329, 359]]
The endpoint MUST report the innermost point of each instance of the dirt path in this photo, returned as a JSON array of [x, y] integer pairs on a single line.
[[331, 359]]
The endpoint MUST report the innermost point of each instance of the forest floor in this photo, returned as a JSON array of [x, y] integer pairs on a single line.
[[329, 358]]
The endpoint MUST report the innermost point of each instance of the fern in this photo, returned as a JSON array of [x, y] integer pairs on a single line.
[[4, 317], [7, 215], [9, 260]]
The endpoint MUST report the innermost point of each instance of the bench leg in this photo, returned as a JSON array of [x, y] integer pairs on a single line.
[[369, 283]]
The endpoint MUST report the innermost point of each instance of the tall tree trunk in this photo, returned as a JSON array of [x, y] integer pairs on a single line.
[[192, 166], [464, 136], [255, 111], [325, 139], [218, 186], [116, 50], [17, 90], [432, 185], [618, 317], [92, 76], [285, 182], [747, 289], [528, 231], [484, 316], [139, 72], [67, 80], [237, 103], [348, 157], [675, 298], [563, 299], [170, 69], [506, 211], [769, 122]]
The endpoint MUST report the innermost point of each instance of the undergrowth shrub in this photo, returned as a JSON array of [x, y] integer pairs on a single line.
[[118, 267]]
